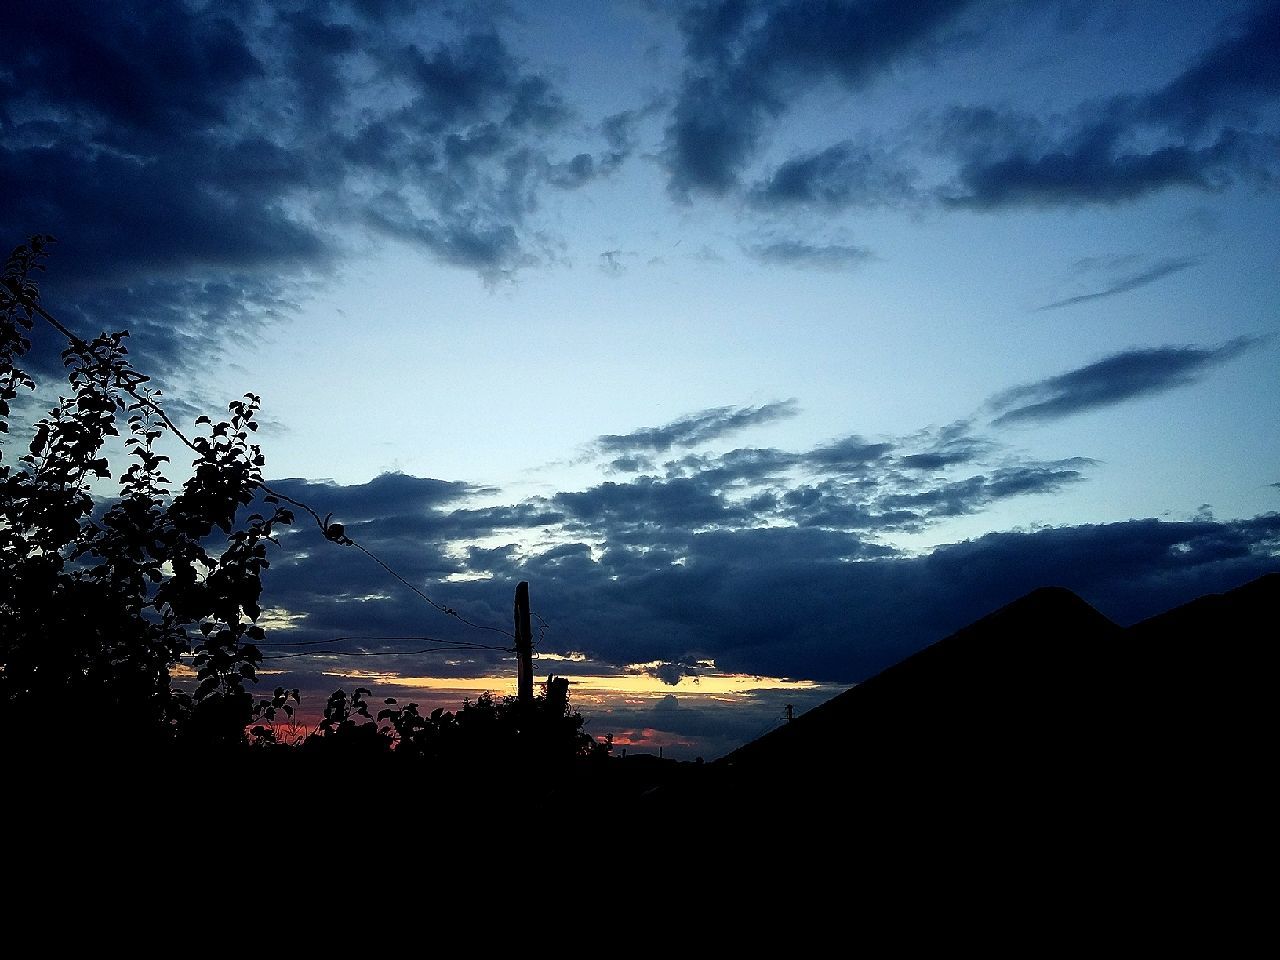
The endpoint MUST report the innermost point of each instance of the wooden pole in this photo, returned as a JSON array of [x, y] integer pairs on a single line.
[[524, 645]]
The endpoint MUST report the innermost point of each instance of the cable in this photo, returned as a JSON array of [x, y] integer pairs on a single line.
[[465, 644], [326, 528], [372, 653], [543, 627], [445, 610], [444, 646]]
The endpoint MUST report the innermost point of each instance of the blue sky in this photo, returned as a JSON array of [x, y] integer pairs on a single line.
[[785, 336]]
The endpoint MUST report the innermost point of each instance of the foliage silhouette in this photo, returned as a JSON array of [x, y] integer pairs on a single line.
[[545, 730], [97, 606]]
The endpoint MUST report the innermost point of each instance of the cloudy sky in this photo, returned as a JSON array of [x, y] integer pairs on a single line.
[[769, 341]]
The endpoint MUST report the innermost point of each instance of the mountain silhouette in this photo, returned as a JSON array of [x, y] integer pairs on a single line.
[[1208, 670], [1043, 704], [1034, 670]]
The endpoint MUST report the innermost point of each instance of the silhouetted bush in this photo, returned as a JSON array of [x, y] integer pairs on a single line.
[[97, 605], [102, 591]]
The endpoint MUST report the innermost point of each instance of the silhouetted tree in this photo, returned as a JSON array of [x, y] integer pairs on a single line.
[[102, 591], [545, 731], [100, 596]]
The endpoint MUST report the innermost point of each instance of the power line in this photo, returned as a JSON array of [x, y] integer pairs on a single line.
[[334, 533], [377, 653], [449, 611], [467, 644], [543, 627]]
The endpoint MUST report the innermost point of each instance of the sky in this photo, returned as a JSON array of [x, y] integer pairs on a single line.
[[769, 341]]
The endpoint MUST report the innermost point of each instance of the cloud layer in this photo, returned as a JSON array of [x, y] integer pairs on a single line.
[[201, 163], [1114, 379], [760, 559], [204, 164], [748, 64]]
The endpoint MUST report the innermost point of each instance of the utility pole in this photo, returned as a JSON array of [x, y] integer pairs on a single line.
[[524, 645]]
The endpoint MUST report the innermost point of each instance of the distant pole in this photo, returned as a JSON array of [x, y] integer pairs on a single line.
[[557, 695], [524, 645]]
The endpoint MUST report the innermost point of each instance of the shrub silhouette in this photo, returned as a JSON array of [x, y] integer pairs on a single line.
[[97, 606]]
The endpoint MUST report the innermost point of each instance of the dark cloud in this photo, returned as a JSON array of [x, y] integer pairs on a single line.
[[387, 493], [968, 496], [950, 446], [1156, 272], [1207, 129], [570, 174], [939, 459], [185, 152], [696, 428], [841, 176], [815, 604], [764, 561], [851, 453], [178, 326], [1204, 130], [1229, 82], [134, 68], [1095, 168], [745, 465], [631, 463], [777, 601], [671, 672], [883, 499], [800, 253], [851, 485], [646, 501], [746, 60], [1114, 379], [635, 572]]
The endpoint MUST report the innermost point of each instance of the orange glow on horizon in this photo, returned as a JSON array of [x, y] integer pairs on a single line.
[[635, 684]]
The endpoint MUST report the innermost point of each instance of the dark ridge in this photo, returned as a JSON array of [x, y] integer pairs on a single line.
[[981, 689], [1234, 622], [1043, 715], [1207, 668]]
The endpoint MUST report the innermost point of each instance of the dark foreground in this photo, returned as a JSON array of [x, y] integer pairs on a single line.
[[1043, 721]]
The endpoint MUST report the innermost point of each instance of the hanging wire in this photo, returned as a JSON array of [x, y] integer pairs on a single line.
[[449, 611], [332, 532], [463, 644], [376, 653], [543, 627], [442, 646]]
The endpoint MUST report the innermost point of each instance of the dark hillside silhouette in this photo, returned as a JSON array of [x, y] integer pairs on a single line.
[[1210, 671], [1028, 677], [1042, 705]]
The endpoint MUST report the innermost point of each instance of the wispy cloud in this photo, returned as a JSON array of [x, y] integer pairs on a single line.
[[841, 176], [694, 428], [799, 253], [745, 64], [210, 183], [1111, 380], [1132, 282], [1201, 130]]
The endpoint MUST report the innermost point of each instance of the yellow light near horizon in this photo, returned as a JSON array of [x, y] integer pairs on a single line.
[[629, 683], [706, 685]]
